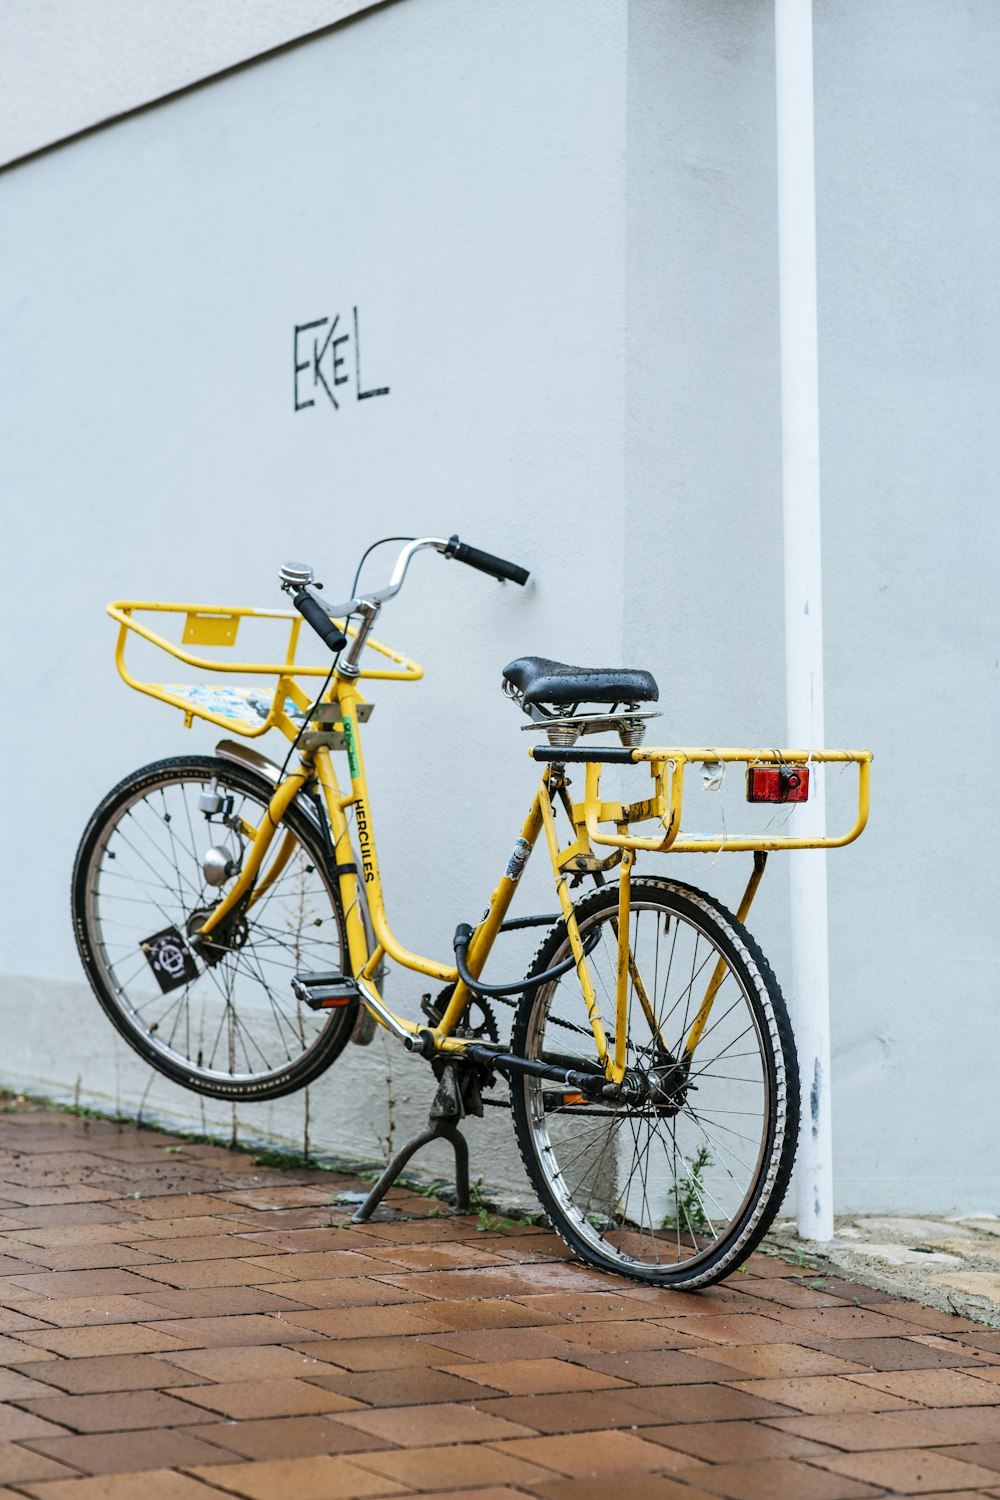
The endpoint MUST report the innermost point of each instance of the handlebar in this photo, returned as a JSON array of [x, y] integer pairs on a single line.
[[314, 613], [296, 578], [486, 562]]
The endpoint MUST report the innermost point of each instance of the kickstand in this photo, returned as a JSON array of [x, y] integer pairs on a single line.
[[457, 1095]]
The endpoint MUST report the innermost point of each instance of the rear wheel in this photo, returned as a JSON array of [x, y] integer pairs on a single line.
[[676, 1187], [228, 1026]]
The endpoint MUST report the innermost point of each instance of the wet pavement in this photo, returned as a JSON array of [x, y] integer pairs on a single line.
[[179, 1322]]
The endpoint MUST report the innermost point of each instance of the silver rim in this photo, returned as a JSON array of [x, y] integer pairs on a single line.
[[237, 1025], [646, 1188]]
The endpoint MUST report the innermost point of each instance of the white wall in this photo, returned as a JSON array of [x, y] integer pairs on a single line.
[[458, 177], [70, 65], [907, 114], [558, 222]]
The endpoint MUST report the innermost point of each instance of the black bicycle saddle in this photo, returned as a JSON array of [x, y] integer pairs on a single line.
[[538, 680]]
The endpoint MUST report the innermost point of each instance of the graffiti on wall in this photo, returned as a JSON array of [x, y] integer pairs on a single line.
[[327, 356]]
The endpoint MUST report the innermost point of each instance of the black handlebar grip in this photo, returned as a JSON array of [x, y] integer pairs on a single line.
[[315, 615], [496, 567]]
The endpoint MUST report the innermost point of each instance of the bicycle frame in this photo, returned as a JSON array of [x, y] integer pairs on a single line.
[[217, 626], [317, 766]]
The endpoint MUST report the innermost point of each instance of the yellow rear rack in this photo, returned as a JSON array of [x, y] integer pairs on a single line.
[[667, 765]]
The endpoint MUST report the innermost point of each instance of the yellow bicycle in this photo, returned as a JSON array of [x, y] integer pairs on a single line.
[[230, 918]]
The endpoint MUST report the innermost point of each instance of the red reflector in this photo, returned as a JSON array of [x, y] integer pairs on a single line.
[[777, 783]]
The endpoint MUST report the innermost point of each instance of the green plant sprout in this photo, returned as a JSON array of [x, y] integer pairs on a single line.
[[687, 1211]]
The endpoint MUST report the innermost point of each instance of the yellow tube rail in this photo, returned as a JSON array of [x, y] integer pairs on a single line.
[[667, 766], [217, 624]]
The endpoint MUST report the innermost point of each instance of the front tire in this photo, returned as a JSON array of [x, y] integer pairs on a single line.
[[678, 1189], [231, 1028]]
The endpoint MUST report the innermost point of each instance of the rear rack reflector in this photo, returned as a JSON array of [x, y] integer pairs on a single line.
[[777, 783]]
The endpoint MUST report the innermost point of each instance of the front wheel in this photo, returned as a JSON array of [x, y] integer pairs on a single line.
[[228, 1025], [676, 1185]]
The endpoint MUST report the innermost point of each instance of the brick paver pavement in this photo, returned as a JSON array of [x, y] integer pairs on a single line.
[[178, 1322]]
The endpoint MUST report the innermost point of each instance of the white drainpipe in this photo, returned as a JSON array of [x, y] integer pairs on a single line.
[[803, 595]]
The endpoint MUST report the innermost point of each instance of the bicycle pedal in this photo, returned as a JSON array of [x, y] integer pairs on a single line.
[[324, 991]]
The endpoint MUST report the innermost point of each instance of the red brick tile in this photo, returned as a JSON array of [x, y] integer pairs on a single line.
[[571, 1411], [79, 1283], [413, 1386], [11, 1266], [12, 1321], [589, 1307], [275, 1397], [490, 1344], [18, 1386], [857, 1293], [125, 1452], [734, 1442], [902, 1354], [214, 1246], [734, 1328], [159, 1235], [626, 1484], [492, 1492], [380, 1353], [864, 1432], [282, 1437], [83, 1312], [151, 1484], [909, 1471], [182, 1205], [934, 1387], [618, 1338], [112, 1372], [344, 1291], [672, 1367], [519, 1377], [701, 1403], [317, 1477], [819, 1394], [223, 1301], [587, 1454], [249, 1328], [21, 1466], [108, 1255], [433, 1468], [440, 1257], [243, 1362], [449, 1286], [116, 1411], [46, 1237], [964, 1424], [985, 1455], [300, 1196], [362, 1322], [429, 1426], [776, 1361], [312, 1265], [194, 1274], [849, 1322], [278, 1241], [23, 1426], [14, 1352], [791, 1292], [778, 1479], [119, 1338]]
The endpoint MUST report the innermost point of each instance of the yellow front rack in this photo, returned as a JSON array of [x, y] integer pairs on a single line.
[[248, 711]]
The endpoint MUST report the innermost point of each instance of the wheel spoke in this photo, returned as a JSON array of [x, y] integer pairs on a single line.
[[233, 1027], [662, 1186]]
